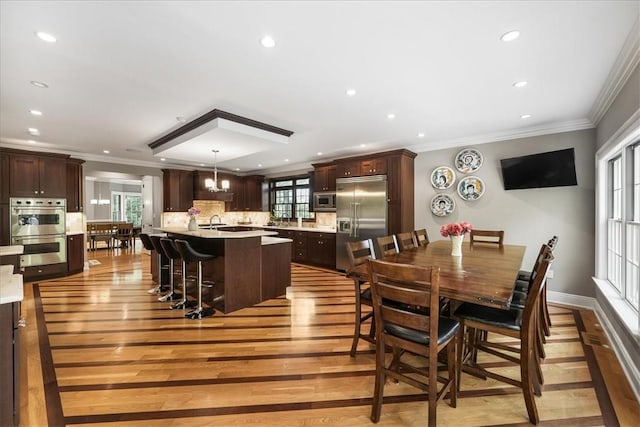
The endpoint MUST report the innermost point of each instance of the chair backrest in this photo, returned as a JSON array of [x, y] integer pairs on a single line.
[[125, 229], [387, 245], [169, 248], [406, 241], [494, 237], [553, 242], [537, 282], [360, 251], [422, 238], [146, 241], [394, 286]]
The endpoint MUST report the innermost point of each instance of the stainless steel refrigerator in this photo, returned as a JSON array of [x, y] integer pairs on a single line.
[[361, 212]]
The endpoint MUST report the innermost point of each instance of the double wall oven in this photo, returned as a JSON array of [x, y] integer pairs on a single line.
[[40, 226]]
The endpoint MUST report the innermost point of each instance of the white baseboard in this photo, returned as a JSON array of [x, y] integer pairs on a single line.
[[629, 365], [570, 299]]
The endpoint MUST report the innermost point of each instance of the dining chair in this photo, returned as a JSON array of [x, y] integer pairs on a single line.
[[358, 253], [487, 236], [519, 324], [124, 234], [421, 236], [387, 245], [406, 241], [410, 333]]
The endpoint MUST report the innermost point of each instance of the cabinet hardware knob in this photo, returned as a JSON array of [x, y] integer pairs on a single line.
[[22, 323]]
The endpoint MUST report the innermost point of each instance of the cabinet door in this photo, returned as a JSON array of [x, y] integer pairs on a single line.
[[53, 177], [75, 193], [324, 178], [300, 246], [75, 253], [253, 193], [348, 169], [5, 228], [321, 249], [4, 178], [373, 167], [177, 189], [24, 176]]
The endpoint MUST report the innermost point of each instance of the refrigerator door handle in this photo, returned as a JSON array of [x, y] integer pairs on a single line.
[[355, 220]]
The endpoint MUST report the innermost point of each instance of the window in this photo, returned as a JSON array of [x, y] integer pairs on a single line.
[[126, 207], [291, 198]]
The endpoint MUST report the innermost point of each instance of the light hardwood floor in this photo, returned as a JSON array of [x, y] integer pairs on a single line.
[[98, 350]]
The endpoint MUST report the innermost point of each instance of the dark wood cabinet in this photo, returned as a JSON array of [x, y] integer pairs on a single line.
[[321, 249], [75, 187], [348, 168], [177, 186], [10, 364], [36, 176], [300, 246], [5, 227], [254, 193], [324, 178], [376, 166], [4, 177], [289, 234], [400, 191], [75, 253]]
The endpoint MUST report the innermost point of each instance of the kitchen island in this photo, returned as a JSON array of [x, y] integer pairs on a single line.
[[250, 266]]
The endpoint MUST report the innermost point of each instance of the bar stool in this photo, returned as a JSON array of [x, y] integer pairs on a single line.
[[148, 245], [172, 253], [188, 254]]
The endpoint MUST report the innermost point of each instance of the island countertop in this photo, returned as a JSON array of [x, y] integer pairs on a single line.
[[217, 234]]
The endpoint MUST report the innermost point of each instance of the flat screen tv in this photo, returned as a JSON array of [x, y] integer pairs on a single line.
[[550, 169]]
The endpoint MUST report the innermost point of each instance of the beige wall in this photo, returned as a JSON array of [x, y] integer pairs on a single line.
[[528, 217]]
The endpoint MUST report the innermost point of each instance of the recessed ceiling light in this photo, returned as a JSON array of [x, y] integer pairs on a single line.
[[45, 37], [237, 169], [36, 112], [33, 131], [319, 153], [286, 160], [106, 151], [391, 116], [201, 164], [363, 145], [31, 141], [267, 41], [259, 165], [39, 84], [180, 119], [510, 35], [162, 159], [522, 83], [351, 92], [421, 135], [525, 116]]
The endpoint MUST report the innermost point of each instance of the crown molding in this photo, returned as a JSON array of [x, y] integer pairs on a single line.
[[570, 126], [626, 62]]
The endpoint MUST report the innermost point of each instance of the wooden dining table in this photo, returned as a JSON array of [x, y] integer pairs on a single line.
[[484, 274]]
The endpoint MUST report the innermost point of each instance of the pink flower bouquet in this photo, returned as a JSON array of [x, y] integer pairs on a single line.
[[193, 211], [455, 229]]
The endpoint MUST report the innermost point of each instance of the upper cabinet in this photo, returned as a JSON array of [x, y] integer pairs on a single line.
[[177, 190], [376, 166], [75, 189], [247, 193], [201, 192], [37, 176], [324, 178], [347, 168]]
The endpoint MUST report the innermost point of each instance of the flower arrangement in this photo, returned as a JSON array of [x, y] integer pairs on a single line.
[[455, 229], [193, 211]]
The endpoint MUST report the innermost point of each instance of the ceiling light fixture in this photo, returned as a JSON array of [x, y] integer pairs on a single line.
[[212, 184], [510, 36], [162, 159], [31, 141], [522, 83], [363, 145], [181, 119], [39, 84], [237, 169], [259, 165], [267, 41], [319, 153], [45, 37], [106, 151], [525, 116], [33, 131], [351, 92], [36, 112], [391, 116], [286, 160], [421, 135]]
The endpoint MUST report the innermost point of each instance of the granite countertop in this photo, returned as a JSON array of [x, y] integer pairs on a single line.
[[10, 285], [11, 250], [216, 234], [268, 240], [296, 228]]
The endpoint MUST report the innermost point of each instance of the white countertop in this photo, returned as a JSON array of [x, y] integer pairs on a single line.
[[11, 250], [268, 240], [216, 234], [10, 285], [296, 228]]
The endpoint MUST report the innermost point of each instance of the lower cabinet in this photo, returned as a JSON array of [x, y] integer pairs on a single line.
[[311, 247], [75, 253], [9, 364]]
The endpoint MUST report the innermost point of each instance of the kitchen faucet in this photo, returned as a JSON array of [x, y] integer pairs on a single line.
[[211, 221]]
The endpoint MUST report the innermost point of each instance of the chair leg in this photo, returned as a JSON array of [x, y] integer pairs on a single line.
[[452, 367], [171, 295], [526, 359], [184, 302], [358, 325], [461, 353], [378, 390], [199, 312]]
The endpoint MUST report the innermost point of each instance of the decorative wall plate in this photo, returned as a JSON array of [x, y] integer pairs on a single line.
[[471, 188], [442, 205], [468, 160], [442, 177]]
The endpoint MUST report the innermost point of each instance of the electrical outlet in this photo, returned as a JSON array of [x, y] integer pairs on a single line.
[[550, 274]]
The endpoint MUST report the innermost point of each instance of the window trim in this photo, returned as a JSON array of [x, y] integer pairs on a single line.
[[293, 187], [623, 138]]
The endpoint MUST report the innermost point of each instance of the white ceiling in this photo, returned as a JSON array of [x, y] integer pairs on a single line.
[[121, 72]]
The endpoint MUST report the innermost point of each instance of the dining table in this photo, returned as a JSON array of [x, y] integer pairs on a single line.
[[484, 274]]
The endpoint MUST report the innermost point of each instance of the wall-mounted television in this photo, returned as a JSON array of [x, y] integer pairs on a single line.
[[550, 169]]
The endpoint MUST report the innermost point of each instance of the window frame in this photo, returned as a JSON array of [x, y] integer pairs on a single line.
[[619, 145], [294, 188]]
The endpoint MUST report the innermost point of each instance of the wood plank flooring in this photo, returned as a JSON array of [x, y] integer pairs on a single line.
[[98, 350]]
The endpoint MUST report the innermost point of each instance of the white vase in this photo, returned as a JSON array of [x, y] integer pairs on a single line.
[[193, 224], [456, 245]]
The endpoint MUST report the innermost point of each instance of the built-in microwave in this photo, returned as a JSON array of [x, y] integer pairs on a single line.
[[324, 202]]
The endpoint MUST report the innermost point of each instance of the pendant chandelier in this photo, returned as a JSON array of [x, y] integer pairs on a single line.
[[212, 184]]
